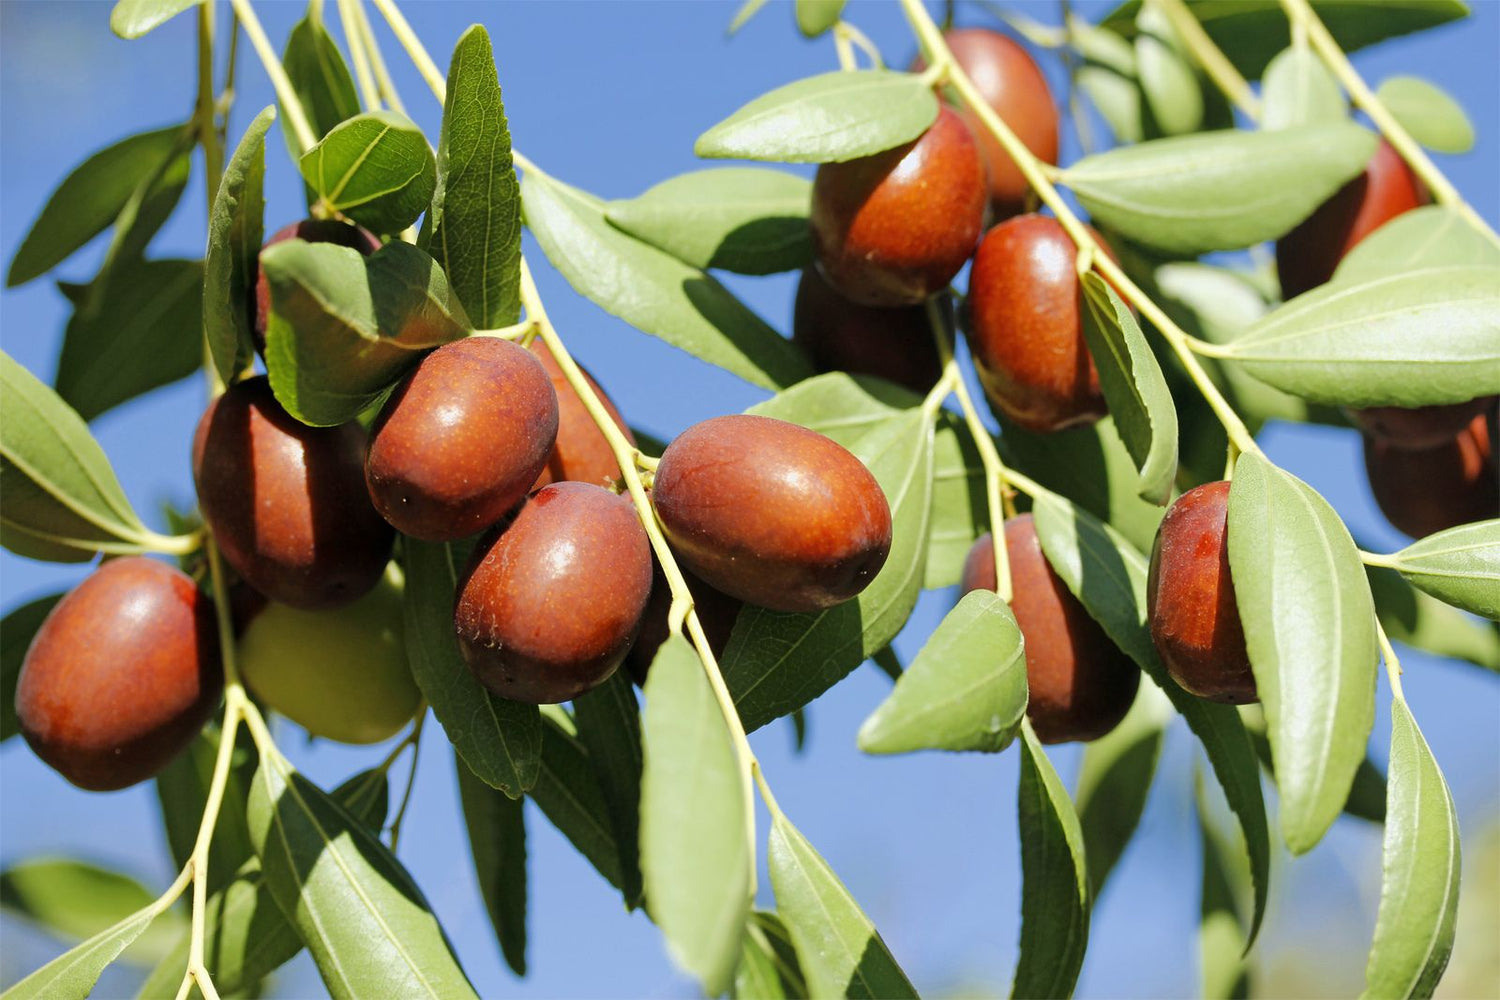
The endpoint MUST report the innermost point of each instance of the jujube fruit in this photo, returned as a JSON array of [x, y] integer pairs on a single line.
[[717, 612], [1081, 684], [287, 502], [581, 452], [772, 513], [893, 228], [1425, 490], [1012, 84], [1194, 619], [1025, 326], [551, 599], [840, 335], [462, 439], [340, 674], [1422, 426], [122, 674], [334, 231]]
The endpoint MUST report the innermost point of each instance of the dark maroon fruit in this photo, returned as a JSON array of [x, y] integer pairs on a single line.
[[1422, 426], [312, 231], [839, 335], [716, 610], [582, 453], [1426, 490]]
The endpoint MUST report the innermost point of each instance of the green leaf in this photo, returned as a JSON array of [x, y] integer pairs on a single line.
[[75, 900], [134, 18], [235, 233], [814, 17], [1250, 32], [1430, 335], [1167, 78], [1115, 779], [1222, 938], [16, 632], [72, 975], [59, 498], [841, 952], [1431, 236], [1366, 793], [609, 726], [89, 199], [1460, 566], [497, 838], [475, 220], [1419, 890], [1134, 387], [1411, 617], [777, 662], [144, 330], [769, 969], [344, 327], [1310, 631], [959, 508], [320, 78], [1432, 117], [747, 10], [568, 792], [651, 290], [182, 792], [750, 220], [1298, 90], [376, 168], [697, 830], [1108, 576], [1108, 75], [498, 739], [1054, 880], [827, 118], [1218, 190], [361, 915], [966, 690]]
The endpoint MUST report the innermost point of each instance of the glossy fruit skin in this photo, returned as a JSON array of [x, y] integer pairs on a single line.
[[716, 610], [772, 513], [334, 231], [839, 335], [551, 600], [893, 228], [1081, 684], [121, 676], [1194, 619], [1013, 85], [459, 443], [340, 674], [1425, 490], [1025, 326], [287, 502], [1306, 256], [1423, 426], [581, 453]]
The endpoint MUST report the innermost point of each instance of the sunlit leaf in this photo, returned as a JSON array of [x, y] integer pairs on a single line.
[[1299, 90], [134, 18], [376, 168], [1432, 117], [1460, 566]]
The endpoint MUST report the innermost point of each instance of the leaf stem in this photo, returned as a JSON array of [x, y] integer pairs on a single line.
[[1210, 57], [414, 738], [844, 33], [355, 39], [1302, 17], [942, 63], [285, 92], [1392, 664], [1376, 559], [414, 48], [377, 58]]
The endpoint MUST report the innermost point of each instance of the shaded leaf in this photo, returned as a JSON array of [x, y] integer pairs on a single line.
[[134, 18], [1115, 779], [1424, 622], [1167, 79], [320, 78], [1431, 116], [568, 792], [235, 233], [1460, 566], [959, 508], [16, 632], [376, 168], [1222, 936], [1299, 90], [609, 726], [182, 792], [1430, 236], [769, 969], [75, 900], [497, 839]]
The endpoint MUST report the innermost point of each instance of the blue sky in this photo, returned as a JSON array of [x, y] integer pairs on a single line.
[[609, 96]]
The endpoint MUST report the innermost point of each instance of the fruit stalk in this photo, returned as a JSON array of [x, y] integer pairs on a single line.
[[1210, 57], [354, 38], [279, 80]]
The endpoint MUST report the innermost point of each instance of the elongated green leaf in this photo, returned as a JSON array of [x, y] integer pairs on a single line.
[[72, 975], [745, 219], [75, 900], [747, 10], [1219, 190], [59, 498], [966, 690], [235, 233], [959, 508], [1430, 335], [1431, 236], [1310, 631], [697, 832], [1108, 75], [1054, 880], [182, 792], [1222, 937], [344, 327], [1115, 779], [1366, 793], [364, 919], [1460, 566], [475, 220], [841, 952], [1412, 617], [134, 18], [1133, 386], [497, 838], [1299, 90], [814, 17], [88, 200], [825, 119], [777, 662], [609, 725], [1108, 575], [16, 632], [1167, 80], [1432, 117], [568, 792], [320, 78], [1419, 891], [375, 168], [769, 969], [651, 290], [143, 331], [498, 739]]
